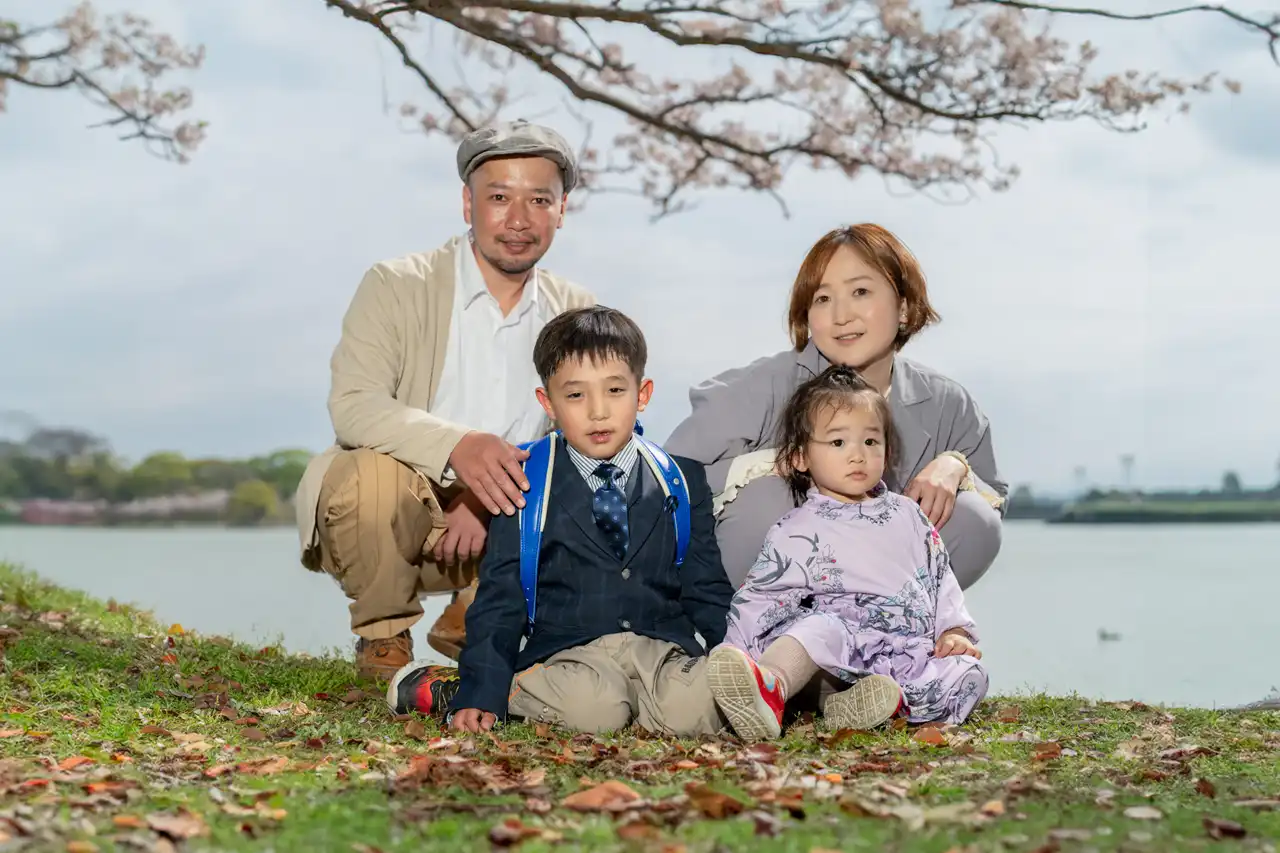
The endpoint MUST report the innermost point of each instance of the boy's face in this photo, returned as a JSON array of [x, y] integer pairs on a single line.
[[595, 404]]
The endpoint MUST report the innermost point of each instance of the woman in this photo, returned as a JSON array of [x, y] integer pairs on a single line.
[[859, 297]]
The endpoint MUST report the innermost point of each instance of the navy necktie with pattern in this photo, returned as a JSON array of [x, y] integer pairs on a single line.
[[609, 507]]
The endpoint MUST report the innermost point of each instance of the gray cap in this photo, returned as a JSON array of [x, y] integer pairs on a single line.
[[516, 139]]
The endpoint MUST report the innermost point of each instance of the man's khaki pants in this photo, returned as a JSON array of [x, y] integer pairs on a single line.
[[615, 680], [377, 522]]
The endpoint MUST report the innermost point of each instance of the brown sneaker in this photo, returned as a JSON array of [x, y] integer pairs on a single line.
[[449, 634], [381, 659]]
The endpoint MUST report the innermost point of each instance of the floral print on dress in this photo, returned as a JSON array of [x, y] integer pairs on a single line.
[[866, 588]]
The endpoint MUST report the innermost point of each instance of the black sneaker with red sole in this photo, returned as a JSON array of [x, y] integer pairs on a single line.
[[423, 687]]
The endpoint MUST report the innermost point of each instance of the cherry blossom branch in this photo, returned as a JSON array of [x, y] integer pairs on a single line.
[[1270, 28], [116, 63], [852, 85]]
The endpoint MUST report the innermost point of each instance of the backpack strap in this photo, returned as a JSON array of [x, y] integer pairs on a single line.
[[673, 484], [533, 516]]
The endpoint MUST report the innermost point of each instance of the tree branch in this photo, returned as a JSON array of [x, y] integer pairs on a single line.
[[95, 57], [359, 13], [855, 86], [1271, 28]]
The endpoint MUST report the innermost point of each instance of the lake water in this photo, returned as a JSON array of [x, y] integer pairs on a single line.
[[1195, 605]]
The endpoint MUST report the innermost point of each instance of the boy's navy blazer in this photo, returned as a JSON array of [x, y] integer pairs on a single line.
[[584, 590]]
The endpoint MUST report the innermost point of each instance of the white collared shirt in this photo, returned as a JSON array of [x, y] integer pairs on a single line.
[[625, 459], [488, 378]]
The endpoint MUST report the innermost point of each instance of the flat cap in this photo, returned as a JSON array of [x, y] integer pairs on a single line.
[[516, 139]]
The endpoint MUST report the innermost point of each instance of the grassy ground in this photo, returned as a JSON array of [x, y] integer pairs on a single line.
[[118, 732]]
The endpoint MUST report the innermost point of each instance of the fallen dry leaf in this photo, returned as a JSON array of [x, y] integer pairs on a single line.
[[252, 734], [930, 735], [416, 730], [1009, 714], [511, 832], [1129, 750], [638, 830], [178, 826], [992, 808], [74, 761], [475, 776], [1262, 804], [607, 796], [762, 753], [12, 732], [1205, 788], [1070, 834], [1219, 829], [1183, 753], [1047, 751], [81, 847], [712, 804], [263, 766], [1143, 813]]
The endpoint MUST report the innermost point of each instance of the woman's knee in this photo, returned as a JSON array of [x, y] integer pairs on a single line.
[[746, 520], [973, 536]]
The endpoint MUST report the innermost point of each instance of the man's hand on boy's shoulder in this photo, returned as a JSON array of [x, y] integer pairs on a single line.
[[490, 467], [472, 720], [466, 527]]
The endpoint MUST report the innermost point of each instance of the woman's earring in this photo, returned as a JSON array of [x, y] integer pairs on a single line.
[[902, 328]]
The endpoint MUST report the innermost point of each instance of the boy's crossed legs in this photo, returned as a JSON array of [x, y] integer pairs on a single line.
[[615, 680]]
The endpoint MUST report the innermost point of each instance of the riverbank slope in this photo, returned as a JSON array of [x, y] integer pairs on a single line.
[[120, 732]]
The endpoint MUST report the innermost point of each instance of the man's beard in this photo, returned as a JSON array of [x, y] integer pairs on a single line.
[[513, 266]]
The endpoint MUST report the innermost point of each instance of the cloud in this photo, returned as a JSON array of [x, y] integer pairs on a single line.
[[1119, 298]]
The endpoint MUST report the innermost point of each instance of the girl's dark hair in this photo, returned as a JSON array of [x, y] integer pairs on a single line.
[[838, 388]]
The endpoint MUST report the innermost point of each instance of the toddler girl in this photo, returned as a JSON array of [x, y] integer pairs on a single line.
[[854, 581]]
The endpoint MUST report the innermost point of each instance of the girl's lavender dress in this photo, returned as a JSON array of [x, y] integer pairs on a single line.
[[865, 588]]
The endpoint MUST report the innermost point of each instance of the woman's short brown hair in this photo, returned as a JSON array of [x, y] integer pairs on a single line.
[[886, 254]]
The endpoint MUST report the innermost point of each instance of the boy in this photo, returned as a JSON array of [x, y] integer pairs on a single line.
[[612, 641]]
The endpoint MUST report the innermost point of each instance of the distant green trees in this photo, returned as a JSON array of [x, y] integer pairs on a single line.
[[67, 464], [252, 502]]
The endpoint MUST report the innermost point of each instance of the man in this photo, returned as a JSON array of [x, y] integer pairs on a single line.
[[432, 387]]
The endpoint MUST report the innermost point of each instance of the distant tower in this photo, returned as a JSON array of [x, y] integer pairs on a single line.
[[1126, 462]]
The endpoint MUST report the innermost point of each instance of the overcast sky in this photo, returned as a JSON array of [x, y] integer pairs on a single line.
[[1120, 298]]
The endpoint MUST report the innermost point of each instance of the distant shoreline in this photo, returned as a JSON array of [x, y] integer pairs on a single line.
[[1145, 511], [144, 525]]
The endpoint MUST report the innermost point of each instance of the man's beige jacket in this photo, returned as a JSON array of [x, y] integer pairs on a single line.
[[387, 365]]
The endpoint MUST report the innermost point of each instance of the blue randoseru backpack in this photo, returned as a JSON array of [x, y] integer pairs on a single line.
[[538, 467]]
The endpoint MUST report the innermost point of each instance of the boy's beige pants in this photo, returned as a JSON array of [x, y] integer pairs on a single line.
[[616, 680], [377, 522]]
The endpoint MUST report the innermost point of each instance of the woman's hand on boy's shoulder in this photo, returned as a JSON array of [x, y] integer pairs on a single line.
[[472, 720], [956, 642]]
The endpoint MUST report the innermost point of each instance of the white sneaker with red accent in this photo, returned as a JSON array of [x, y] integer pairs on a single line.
[[871, 701], [750, 698]]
